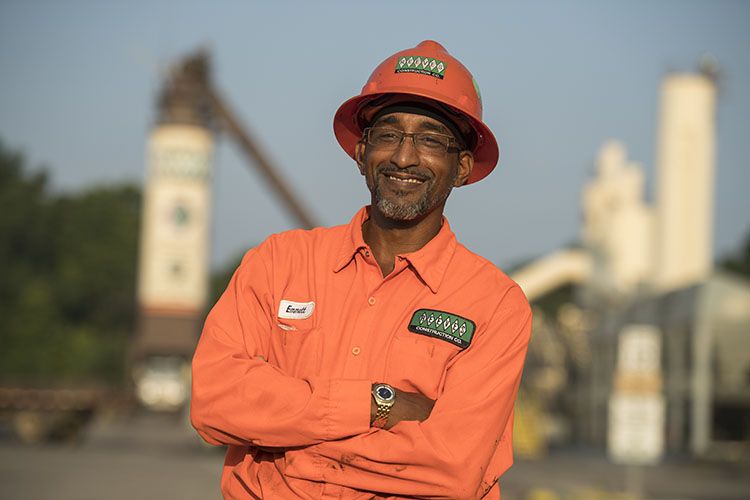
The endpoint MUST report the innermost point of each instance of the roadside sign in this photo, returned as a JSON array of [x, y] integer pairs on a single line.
[[635, 435]]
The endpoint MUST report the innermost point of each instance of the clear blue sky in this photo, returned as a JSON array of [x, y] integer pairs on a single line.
[[78, 81]]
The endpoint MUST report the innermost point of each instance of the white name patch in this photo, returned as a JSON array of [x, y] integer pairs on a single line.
[[295, 310]]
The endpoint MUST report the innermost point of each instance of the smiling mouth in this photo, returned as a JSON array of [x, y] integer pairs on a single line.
[[404, 180]]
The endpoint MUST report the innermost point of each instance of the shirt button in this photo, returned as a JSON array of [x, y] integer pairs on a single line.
[[356, 350], [371, 301]]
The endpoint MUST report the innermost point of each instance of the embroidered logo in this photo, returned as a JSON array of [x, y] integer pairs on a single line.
[[295, 310], [444, 326], [422, 65]]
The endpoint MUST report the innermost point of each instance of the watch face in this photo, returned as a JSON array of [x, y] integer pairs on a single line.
[[385, 392]]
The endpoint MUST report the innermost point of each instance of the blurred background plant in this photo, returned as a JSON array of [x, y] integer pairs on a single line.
[[67, 289], [67, 286]]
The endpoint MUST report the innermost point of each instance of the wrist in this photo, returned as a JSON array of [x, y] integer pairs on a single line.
[[383, 399]]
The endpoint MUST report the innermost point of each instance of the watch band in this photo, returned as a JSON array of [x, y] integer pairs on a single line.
[[381, 416], [384, 396]]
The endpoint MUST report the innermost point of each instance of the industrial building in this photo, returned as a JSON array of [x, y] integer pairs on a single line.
[[649, 267]]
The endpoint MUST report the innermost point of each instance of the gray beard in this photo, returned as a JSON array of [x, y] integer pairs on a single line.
[[401, 210]]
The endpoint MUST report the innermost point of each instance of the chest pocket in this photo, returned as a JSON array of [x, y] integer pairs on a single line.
[[418, 364], [295, 346]]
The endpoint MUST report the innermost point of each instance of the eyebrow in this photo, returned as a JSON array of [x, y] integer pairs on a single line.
[[437, 127], [425, 125], [388, 120]]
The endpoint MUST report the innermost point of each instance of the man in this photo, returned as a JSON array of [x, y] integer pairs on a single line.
[[381, 358]]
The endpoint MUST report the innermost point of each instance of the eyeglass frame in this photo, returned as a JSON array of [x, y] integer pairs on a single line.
[[449, 148]]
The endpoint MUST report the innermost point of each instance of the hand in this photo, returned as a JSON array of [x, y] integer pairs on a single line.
[[408, 406]]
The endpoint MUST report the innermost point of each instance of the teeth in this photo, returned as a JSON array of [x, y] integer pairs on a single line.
[[412, 181]]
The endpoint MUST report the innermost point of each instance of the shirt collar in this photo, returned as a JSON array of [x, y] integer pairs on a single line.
[[353, 240], [430, 262]]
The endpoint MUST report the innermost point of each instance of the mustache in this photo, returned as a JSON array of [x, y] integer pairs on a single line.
[[411, 171]]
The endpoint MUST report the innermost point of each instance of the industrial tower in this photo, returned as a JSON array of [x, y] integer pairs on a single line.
[[176, 228]]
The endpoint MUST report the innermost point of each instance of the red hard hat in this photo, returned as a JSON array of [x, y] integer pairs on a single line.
[[427, 72]]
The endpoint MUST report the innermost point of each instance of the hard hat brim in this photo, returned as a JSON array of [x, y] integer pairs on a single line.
[[348, 131]]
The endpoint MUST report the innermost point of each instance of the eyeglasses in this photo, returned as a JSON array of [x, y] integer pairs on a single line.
[[428, 143]]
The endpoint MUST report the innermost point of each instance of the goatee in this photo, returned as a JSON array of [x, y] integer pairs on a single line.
[[399, 208]]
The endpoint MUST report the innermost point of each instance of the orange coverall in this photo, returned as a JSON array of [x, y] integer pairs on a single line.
[[297, 425]]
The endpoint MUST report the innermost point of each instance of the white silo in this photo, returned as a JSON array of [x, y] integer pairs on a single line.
[[685, 181]]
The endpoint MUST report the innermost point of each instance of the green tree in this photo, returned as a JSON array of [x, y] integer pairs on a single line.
[[67, 278], [67, 286]]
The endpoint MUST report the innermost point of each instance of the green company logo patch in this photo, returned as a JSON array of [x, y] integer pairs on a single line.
[[444, 326], [422, 65]]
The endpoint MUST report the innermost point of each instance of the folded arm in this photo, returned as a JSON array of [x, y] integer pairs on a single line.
[[239, 399], [464, 445]]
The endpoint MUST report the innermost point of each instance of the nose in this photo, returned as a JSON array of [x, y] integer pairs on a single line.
[[405, 155]]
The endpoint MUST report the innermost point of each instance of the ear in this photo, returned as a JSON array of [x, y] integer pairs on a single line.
[[465, 166], [359, 156]]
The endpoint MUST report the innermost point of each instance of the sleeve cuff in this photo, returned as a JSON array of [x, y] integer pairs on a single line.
[[348, 409]]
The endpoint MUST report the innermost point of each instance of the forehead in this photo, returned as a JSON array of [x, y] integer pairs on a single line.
[[412, 122]]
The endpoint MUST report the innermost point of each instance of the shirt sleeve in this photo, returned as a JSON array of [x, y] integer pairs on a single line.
[[463, 447], [240, 399]]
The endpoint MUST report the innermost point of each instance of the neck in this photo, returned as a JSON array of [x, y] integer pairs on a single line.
[[388, 238]]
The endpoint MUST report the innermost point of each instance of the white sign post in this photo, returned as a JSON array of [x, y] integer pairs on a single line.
[[635, 434], [636, 428]]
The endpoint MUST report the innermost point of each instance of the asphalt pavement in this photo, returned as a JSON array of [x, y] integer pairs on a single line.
[[140, 457], [159, 457]]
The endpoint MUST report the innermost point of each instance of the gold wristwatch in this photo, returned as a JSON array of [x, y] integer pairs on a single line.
[[384, 396]]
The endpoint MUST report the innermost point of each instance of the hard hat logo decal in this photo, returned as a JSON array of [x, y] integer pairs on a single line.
[[422, 65]]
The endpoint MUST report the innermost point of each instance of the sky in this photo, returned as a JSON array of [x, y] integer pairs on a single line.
[[78, 83]]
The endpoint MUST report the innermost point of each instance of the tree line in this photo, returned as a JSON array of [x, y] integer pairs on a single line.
[[68, 266]]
